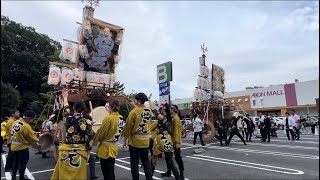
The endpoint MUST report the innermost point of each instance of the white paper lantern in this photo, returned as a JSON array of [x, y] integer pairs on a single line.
[[196, 95], [102, 79], [54, 75], [68, 52], [91, 78], [204, 71], [218, 94], [201, 61], [66, 76], [79, 74]]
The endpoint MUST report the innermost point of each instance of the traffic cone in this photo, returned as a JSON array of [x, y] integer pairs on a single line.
[[316, 132]]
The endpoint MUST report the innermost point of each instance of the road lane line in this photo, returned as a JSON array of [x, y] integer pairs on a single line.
[[280, 145], [266, 152], [153, 177], [289, 141], [250, 165], [158, 171], [8, 174], [126, 167]]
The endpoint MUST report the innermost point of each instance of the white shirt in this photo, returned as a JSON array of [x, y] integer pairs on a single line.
[[291, 122], [261, 119], [295, 118], [197, 125]]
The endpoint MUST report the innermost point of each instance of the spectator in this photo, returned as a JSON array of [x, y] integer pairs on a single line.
[[289, 123], [197, 129], [296, 126]]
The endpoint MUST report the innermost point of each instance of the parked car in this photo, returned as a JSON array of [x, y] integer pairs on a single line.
[[279, 122]]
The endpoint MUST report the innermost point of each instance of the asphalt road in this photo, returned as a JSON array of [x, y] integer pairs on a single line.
[[279, 159]]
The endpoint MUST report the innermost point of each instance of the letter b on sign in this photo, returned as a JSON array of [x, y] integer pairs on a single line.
[[164, 72]]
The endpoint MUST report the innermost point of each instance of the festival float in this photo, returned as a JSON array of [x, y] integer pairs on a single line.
[[88, 69], [208, 100]]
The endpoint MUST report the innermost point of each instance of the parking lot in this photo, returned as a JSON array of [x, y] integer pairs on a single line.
[[279, 159]]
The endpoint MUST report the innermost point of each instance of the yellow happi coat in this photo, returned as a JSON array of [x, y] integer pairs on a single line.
[[108, 135], [163, 141], [72, 161], [137, 127], [176, 133], [74, 154], [22, 135]]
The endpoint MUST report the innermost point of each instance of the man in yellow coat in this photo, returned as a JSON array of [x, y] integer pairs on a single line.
[[108, 136], [22, 137], [137, 130], [176, 139], [15, 115], [74, 154]]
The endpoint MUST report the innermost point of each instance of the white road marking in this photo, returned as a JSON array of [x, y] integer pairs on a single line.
[[266, 152], [279, 145], [248, 164], [139, 171], [121, 160], [154, 170], [299, 141], [302, 138], [124, 158], [4, 160]]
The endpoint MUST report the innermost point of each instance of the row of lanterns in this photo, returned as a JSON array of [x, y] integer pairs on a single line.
[[65, 75]]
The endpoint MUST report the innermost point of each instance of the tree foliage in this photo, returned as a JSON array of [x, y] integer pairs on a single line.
[[10, 98], [24, 60]]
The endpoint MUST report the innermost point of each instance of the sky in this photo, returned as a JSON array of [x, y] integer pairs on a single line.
[[257, 43]]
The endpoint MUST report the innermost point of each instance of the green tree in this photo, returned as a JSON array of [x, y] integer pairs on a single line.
[[118, 87], [24, 60], [10, 99]]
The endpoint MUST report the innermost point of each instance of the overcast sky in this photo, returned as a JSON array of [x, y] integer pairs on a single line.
[[257, 43]]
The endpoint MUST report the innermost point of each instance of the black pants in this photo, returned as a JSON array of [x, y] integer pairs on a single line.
[[235, 133], [195, 138], [313, 129], [291, 132], [92, 166], [223, 135], [178, 158], [249, 134], [170, 165], [297, 131], [266, 135], [9, 161], [135, 154], [20, 161], [151, 146], [2, 142], [107, 167], [274, 132], [262, 133]]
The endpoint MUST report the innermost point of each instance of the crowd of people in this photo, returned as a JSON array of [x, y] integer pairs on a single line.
[[74, 138]]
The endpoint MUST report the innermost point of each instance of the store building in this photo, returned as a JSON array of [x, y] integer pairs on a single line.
[[303, 97]]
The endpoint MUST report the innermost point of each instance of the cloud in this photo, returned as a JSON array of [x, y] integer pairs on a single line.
[[306, 18], [257, 43]]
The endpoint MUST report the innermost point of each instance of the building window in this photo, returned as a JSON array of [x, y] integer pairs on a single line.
[[254, 102]]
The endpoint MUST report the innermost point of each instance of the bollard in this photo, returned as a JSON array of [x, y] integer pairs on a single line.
[[197, 151]]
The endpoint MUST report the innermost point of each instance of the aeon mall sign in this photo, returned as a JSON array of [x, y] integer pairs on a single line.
[[267, 93]]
